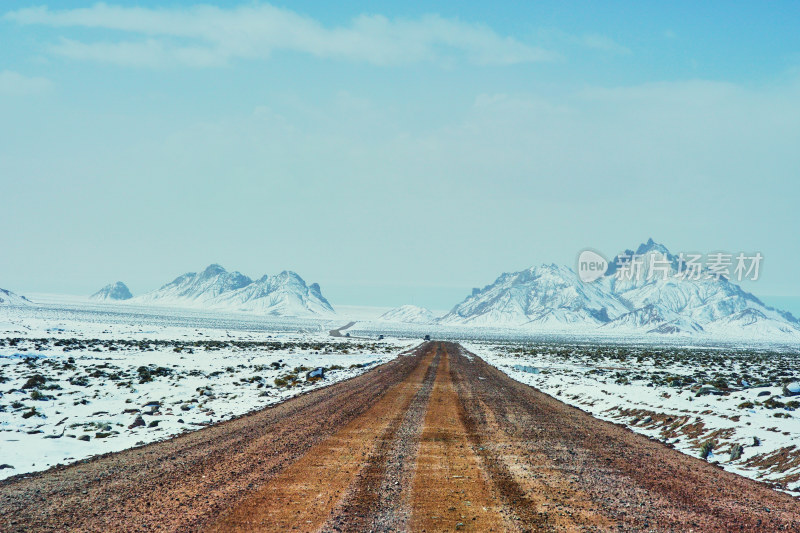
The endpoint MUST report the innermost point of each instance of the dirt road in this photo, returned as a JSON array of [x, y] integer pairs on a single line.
[[433, 441], [338, 331]]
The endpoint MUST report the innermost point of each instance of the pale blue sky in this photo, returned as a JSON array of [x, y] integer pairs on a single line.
[[392, 151]]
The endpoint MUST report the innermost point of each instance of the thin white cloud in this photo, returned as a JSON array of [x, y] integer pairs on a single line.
[[604, 44], [14, 83], [207, 36], [147, 53], [587, 41]]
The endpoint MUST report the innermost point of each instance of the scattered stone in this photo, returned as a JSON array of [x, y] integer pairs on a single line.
[[34, 382], [708, 389], [706, 450], [138, 422], [792, 389], [85, 438], [317, 373], [736, 452]]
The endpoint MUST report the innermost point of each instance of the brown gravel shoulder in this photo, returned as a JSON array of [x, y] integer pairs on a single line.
[[583, 473]]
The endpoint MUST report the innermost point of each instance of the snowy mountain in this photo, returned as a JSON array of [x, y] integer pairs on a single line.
[[410, 314], [197, 289], [654, 319], [684, 305], [550, 296], [285, 294], [113, 291], [753, 322], [660, 299], [282, 294], [10, 299]]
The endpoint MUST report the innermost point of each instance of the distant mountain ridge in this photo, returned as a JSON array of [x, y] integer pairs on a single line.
[[11, 299], [113, 291], [553, 298], [284, 294], [543, 295], [409, 314]]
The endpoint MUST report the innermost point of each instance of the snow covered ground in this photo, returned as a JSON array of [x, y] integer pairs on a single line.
[[75, 376], [81, 380], [686, 397]]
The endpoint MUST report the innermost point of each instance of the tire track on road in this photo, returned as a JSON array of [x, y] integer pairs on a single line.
[[536, 495], [451, 491], [303, 495], [379, 500], [588, 474]]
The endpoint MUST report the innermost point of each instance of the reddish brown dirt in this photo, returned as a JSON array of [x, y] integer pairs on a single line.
[[450, 491], [307, 491], [433, 441], [577, 473]]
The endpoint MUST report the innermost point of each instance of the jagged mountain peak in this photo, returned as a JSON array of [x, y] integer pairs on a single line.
[[550, 267], [285, 277], [282, 294], [544, 294], [228, 280], [113, 291], [644, 251], [214, 269], [551, 297], [289, 275], [652, 246], [551, 271]]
